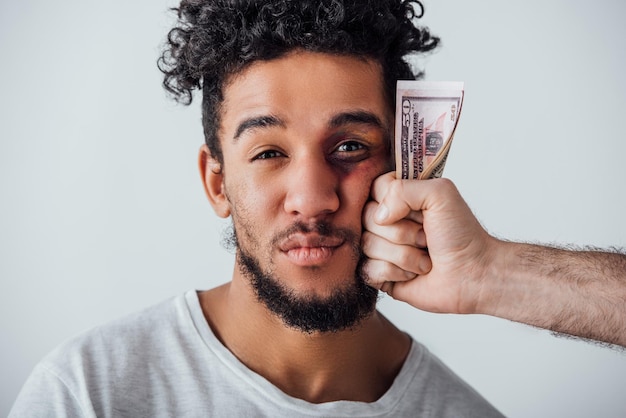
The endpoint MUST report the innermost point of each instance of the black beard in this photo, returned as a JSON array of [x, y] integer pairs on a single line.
[[343, 309]]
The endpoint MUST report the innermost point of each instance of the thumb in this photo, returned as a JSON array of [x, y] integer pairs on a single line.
[[398, 199]]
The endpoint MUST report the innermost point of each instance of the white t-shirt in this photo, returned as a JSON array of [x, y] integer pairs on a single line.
[[166, 362]]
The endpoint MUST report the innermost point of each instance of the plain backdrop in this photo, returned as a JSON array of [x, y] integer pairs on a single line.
[[102, 211]]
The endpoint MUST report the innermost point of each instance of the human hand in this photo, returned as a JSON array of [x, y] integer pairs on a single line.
[[424, 245]]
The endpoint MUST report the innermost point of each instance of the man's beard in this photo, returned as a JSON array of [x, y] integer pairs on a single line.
[[342, 309]]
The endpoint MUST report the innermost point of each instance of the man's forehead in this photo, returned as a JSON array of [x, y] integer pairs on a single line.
[[306, 85], [344, 73]]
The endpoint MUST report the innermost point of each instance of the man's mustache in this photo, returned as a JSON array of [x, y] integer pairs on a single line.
[[323, 229]]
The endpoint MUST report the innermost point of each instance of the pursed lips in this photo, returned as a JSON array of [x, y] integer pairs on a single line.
[[310, 241], [310, 249]]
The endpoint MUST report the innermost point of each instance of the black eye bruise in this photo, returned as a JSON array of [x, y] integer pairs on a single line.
[[357, 146]]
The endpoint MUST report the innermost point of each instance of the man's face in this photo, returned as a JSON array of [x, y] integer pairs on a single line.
[[303, 137]]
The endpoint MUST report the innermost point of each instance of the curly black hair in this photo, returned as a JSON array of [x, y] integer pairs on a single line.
[[215, 39]]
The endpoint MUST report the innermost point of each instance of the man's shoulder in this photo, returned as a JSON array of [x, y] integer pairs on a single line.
[[132, 366], [141, 331]]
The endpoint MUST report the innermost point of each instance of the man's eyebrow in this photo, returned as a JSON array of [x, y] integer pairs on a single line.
[[357, 117], [263, 121]]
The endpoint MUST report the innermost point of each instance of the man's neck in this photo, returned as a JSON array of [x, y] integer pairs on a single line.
[[358, 364]]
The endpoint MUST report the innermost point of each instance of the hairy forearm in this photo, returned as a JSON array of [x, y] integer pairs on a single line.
[[576, 292]]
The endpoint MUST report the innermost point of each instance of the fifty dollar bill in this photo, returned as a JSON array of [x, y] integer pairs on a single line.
[[427, 113]]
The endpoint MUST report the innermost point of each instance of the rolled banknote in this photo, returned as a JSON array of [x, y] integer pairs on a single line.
[[427, 113]]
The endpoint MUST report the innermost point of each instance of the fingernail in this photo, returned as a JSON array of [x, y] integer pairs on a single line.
[[382, 213], [425, 265]]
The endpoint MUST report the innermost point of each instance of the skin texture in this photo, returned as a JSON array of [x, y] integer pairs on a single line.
[[579, 293], [302, 137]]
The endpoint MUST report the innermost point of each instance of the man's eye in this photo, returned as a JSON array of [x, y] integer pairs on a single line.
[[350, 146], [265, 155]]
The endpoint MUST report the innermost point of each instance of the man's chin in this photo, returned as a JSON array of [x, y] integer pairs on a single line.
[[314, 314], [308, 307], [314, 282]]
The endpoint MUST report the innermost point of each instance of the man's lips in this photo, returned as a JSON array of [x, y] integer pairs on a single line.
[[308, 250], [297, 241]]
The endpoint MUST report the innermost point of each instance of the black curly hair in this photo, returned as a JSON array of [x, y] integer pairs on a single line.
[[215, 39]]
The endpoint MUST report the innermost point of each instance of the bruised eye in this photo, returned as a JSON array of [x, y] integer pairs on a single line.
[[351, 152], [351, 146]]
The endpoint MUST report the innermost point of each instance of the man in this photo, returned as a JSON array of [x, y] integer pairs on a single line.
[[297, 110]]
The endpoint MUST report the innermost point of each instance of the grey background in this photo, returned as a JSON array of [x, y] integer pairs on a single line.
[[102, 211]]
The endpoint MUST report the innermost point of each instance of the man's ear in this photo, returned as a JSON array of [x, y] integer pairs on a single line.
[[213, 181]]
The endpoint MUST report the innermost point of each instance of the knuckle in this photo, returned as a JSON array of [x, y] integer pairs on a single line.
[[445, 185], [390, 271], [368, 212], [374, 272], [400, 233], [403, 234], [395, 188], [405, 258], [396, 235], [380, 271]]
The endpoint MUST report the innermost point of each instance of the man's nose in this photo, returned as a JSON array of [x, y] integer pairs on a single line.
[[312, 188]]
